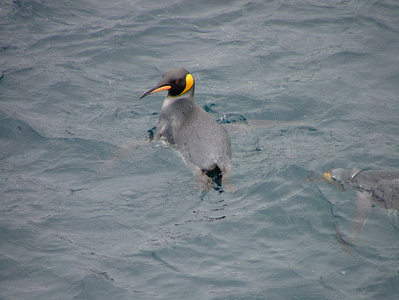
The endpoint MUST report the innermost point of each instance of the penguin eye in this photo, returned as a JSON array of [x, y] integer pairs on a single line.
[[177, 81]]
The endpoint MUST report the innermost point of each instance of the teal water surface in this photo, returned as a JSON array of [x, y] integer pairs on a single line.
[[324, 77]]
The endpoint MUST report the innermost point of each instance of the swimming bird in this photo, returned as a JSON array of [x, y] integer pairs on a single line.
[[373, 188], [202, 141]]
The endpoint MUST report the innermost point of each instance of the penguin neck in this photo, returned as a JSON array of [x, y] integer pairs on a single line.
[[170, 100], [187, 94]]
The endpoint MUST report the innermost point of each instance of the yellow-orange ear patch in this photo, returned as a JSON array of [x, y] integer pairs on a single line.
[[327, 176], [189, 83]]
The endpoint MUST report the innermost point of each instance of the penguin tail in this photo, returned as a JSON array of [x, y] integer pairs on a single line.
[[215, 174]]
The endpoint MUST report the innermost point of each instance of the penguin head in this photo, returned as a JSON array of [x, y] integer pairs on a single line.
[[341, 177], [344, 175], [177, 82]]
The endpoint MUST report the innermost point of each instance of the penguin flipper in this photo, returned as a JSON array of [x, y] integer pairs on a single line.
[[362, 211]]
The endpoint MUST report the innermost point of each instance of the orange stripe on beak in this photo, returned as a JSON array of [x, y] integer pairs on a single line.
[[162, 88]]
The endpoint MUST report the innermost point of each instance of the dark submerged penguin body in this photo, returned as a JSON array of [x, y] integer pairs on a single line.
[[373, 188], [202, 141], [381, 185]]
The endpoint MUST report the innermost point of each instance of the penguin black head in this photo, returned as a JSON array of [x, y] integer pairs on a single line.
[[177, 81]]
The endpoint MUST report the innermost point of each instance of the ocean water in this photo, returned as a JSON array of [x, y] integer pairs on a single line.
[[75, 223]]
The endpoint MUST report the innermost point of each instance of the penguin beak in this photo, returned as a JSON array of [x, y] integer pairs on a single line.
[[161, 86]]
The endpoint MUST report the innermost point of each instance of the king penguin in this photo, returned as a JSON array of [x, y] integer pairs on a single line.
[[202, 141]]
